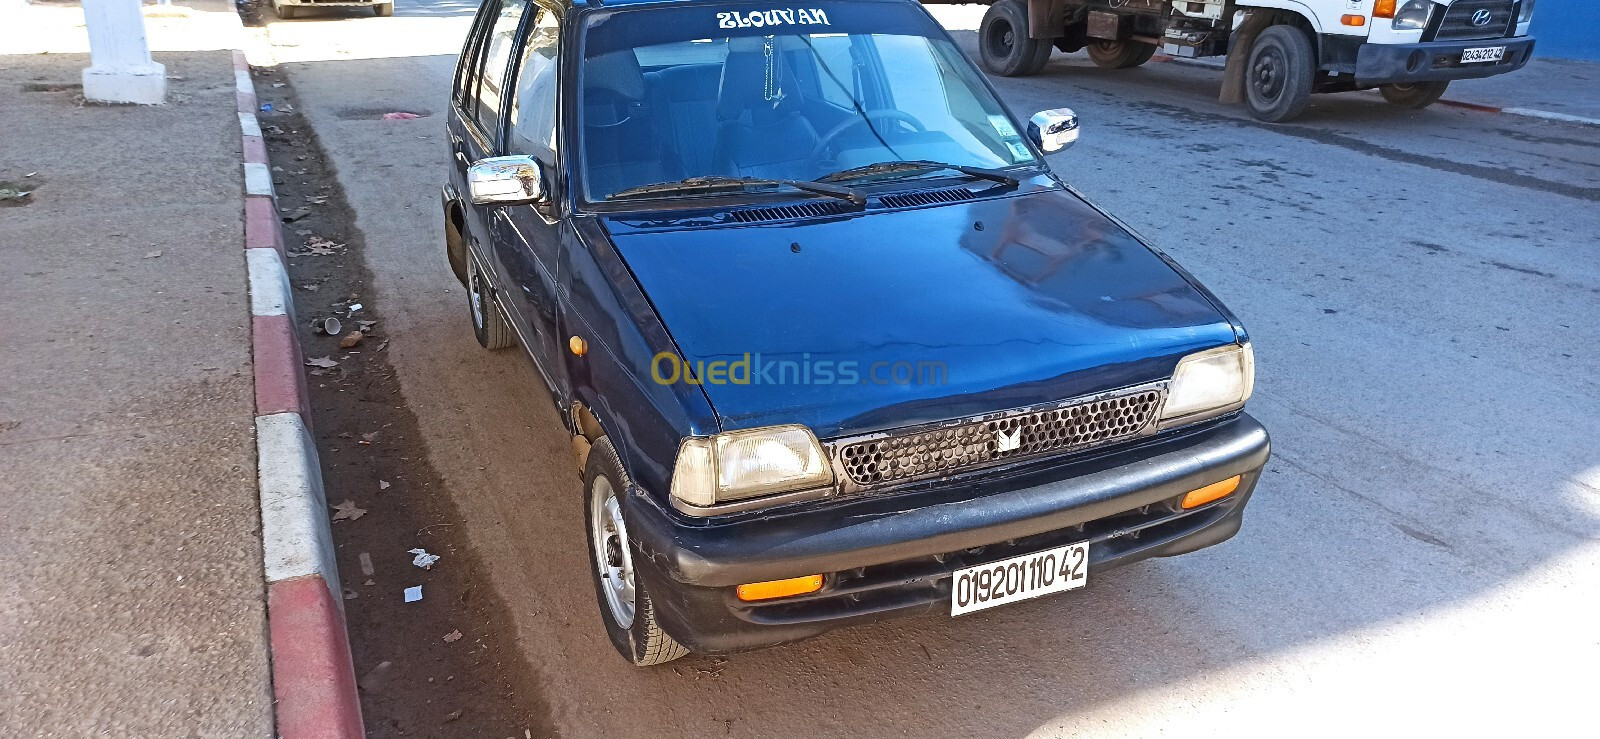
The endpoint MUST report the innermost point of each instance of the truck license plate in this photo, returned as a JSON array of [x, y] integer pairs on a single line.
[[1019, 578], [1483, 54]]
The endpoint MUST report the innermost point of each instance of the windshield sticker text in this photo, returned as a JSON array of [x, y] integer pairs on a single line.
[[765, 18]]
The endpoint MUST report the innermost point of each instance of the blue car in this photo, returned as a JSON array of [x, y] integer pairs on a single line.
[[833, 342]]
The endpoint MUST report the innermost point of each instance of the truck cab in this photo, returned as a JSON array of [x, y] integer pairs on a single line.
[[1278, 52]]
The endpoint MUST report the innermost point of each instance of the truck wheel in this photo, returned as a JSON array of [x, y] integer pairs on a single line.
[[1416, 95], [1003, 43], [1120, 54], [1279, 73], [383, 10], [625, 605], [287, 12], [489, 326]]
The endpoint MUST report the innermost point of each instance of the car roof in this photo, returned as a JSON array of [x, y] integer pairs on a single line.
[[637, 3]]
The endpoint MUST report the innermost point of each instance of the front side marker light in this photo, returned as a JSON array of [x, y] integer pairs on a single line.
[[1214, 491], [780, 588], [1384, 9]]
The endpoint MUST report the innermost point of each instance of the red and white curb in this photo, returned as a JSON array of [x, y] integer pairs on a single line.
[[1480, 107], [313, 680]]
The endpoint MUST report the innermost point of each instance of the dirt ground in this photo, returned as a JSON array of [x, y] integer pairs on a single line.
[[447, 665]]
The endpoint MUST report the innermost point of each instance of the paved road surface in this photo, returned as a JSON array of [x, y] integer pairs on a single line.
[[1424, 295]]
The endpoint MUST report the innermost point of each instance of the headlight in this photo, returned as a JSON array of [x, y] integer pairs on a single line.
[[1413, 16], [741, 465], [1215, 380], [1525, 12]]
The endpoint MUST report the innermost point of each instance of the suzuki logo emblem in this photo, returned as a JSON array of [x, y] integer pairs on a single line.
[[1005, 442], [1482, 17]]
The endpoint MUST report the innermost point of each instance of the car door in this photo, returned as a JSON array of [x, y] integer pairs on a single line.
[[527, 238], [475, 127]]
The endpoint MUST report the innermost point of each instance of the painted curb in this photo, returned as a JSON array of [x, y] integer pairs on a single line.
[[313, 678]]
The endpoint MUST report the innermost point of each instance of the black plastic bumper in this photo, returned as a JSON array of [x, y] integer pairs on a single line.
[[1378, 64], [881, 558]]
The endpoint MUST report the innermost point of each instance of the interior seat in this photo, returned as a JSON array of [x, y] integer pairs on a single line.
[[761, 131], [685, 99], [622, 142]]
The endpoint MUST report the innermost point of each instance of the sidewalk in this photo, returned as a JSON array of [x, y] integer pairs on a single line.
[[152, 426], [1563, 86], [132, 599]]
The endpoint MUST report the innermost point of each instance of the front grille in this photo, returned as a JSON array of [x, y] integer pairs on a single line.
[[1458, 25], [956, 446]]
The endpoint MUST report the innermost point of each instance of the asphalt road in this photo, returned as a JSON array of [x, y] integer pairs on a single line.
[[1424, 296]]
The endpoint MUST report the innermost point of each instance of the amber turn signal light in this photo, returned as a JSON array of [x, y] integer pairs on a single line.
[[780, 588], [1384, 9], [1214, 491], [1353, 20]]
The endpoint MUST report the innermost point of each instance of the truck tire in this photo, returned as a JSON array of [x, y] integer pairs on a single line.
[[1416, 95], [1120, 54], [1003, 43], [625, 605], [1279, 74]]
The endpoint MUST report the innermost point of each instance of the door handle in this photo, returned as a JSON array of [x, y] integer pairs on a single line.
[[456, 142], [461, 158]]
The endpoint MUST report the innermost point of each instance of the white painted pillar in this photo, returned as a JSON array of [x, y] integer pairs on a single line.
[[120, 70]]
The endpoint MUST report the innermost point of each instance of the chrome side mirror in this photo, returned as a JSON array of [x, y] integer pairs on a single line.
[[513, 180], [1053, 130]]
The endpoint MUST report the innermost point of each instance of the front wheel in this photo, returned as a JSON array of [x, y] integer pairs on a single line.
[[625, 605], [489, 325], [1279, 73], [1004, 46], [1120, 54], [1416, 95]]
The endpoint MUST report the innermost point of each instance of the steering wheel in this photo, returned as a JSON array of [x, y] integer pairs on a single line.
[[889, 113]]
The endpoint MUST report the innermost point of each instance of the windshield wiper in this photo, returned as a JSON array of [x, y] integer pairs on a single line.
[[735, 184], [917, 166]]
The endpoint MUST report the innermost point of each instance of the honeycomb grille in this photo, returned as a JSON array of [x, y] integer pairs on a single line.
[[909, 455]]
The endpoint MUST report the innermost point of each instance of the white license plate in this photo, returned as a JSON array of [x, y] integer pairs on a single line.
[[1019, 578], [1483, 54]]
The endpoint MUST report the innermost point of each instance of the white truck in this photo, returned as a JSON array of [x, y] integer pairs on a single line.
[[1278, 51]]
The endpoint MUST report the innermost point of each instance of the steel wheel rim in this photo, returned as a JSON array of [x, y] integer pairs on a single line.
[[1267, 74], [475, 292], [608, 534], [1002, 37]]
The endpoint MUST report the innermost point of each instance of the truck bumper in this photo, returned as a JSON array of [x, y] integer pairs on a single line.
[[881, 558], [1378, 64]]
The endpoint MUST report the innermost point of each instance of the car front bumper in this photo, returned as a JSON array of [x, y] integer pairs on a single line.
[[1379, 64], [880, 558]]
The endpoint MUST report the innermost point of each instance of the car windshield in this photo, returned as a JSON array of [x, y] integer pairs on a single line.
[[779, 92]]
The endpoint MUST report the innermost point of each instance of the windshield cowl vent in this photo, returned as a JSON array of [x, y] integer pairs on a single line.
[[926, 197], [791, 212]]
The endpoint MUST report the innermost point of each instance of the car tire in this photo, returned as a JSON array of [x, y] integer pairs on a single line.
[[625, 605], [489, 325], [287, 12], [1003, 43], [1120, 54], [383, 10], [1416, 95], [1278, 74]]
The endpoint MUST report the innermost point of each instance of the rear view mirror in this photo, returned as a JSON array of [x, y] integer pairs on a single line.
[[513, 180], [1053, 130]]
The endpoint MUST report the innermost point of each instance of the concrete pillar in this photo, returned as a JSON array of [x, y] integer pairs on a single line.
[[120, 68]]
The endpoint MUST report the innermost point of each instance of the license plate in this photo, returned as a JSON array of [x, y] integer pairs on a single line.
[[1019, 578], [1483, 54]]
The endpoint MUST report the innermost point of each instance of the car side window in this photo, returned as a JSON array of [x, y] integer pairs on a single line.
[[501, 40], [533, 106], [470, 63]]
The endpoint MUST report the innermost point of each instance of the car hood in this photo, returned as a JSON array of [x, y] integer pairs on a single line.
[[884, 319]]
